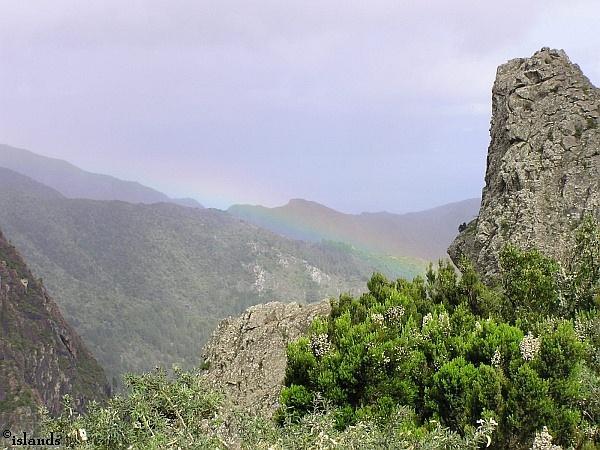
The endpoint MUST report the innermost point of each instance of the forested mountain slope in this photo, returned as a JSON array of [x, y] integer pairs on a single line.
[[147, 284]]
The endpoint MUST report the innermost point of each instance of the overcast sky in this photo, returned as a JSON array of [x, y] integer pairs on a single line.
[[360, 105]]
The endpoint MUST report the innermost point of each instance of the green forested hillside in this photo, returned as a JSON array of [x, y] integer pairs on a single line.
[[146, 284]]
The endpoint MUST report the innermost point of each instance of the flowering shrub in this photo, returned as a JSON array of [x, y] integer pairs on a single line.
[[455, 350], [181, 413], [529, 346]]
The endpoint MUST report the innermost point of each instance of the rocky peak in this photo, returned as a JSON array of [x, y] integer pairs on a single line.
[[543, 164], [246, 356], [41, 357]]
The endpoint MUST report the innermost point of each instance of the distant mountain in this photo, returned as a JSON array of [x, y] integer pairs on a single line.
[[74, 182], [425, 234], [189, 202], [147, 284], [41, 356]]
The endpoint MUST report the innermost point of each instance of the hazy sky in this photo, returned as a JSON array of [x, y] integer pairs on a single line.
[[362, 105]]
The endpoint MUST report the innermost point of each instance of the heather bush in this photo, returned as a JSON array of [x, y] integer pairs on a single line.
[[524, 352]]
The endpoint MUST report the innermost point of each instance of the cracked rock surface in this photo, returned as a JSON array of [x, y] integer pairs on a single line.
[[246, 356], [543, 164]]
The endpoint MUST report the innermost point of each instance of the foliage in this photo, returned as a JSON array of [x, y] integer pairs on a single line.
[[159, 412], [317, 430], [438, 362], [454, 350]]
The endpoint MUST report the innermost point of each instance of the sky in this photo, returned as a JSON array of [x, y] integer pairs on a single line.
[[359, 105]]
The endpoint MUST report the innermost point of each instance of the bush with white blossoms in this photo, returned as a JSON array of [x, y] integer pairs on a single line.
[[320, 345], [530, 347], [459, 352], [394, 315], [543, 441]]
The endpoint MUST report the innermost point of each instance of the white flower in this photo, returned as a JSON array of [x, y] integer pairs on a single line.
[[444, 320], [394, 314], [320, 345], [426, 319], [497, 358], [543, 441], [529, 346], [580, 329], [82, 434], [377, 319]]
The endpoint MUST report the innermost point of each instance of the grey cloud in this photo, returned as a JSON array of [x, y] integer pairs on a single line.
[[207, 85]]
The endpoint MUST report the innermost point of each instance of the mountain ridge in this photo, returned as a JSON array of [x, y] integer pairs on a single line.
[[73, 182], [422, 234]]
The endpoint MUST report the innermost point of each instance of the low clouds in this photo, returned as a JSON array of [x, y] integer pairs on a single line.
[[282, 95]]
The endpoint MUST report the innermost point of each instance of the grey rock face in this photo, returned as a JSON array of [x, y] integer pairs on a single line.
[[543, 165], [246, 355]]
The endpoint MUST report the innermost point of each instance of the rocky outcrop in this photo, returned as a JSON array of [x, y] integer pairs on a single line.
[[246, 356], [41, 357], [543, 165]]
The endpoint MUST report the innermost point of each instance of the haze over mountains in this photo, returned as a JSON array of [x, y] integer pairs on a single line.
[[424, 234], [73, 182]]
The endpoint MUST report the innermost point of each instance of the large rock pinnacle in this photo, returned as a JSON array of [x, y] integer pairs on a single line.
[[543, 164]]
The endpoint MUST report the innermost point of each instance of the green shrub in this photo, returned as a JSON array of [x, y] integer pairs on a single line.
[[455, 350]]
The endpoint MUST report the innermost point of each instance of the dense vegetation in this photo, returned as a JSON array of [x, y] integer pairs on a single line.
[[437, 362], [147, 284], [180, 412], [524, 353]]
